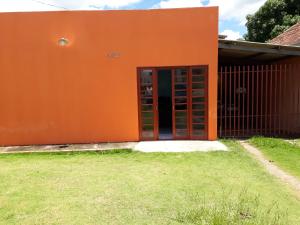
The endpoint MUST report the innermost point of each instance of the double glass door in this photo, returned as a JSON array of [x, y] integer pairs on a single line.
[[188, 99]]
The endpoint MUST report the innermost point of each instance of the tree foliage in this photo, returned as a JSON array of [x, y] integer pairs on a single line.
[[272, 19]]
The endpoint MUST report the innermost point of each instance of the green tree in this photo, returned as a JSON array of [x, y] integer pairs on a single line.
[[272, 19]]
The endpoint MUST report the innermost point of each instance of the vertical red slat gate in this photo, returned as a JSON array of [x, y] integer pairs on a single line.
[[244, 91], [252, 105], [234, 101], [279, 100], [220, 102], [266, 102], [275, 100], [230, 105], [285, 116], [270, 101], [225, 102], [259, 100]]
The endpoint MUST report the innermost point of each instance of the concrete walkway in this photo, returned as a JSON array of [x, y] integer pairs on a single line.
[[147, 146], [180, 146], [273, 169]]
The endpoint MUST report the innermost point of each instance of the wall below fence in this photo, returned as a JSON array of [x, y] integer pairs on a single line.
[[259, 100]]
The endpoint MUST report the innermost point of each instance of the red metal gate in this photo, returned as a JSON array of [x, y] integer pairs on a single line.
[[259, 100]]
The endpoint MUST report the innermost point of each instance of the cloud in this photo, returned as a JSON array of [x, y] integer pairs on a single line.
[[229, 9], [23, 5], [49, 5], [236, 9], [232, 35], [178, 4], [115, 4]]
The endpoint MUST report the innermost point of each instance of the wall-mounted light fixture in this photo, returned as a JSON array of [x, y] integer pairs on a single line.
[[63, 41]]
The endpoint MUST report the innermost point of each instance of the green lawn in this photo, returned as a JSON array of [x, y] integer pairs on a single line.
[[217, 188], [284, 154]]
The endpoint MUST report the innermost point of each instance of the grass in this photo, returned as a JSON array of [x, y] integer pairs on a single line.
[[233, 209], [284, 154], [137, 188]]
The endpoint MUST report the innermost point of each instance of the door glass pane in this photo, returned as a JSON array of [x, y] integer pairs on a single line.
[[146, 77], [147, 127], [147, 107], [147, 114], [181, 120], [198, 113], [180, 100], [198, 106], [180, 93], [198, 85], [148, 134], [198, 71], [146, 91], [181, 133], [148, 120], [199, 133], [200, 92], [198, 120], [198, 126], [199, 100], [181, 107], [180, 86], [181, 114], [180, 75], [199, 78], [181, 126], [146, 101]]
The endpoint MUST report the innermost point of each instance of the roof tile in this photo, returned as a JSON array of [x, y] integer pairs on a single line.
[[290, 37]]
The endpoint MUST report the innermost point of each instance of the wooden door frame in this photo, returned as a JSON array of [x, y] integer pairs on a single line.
[[173, 105], [155, 103], [205, 103], [189, 99]]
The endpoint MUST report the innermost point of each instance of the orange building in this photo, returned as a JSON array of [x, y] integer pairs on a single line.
[[108, 76], [114, 76]]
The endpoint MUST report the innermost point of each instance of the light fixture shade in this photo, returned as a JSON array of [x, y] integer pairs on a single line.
[[63, 41]]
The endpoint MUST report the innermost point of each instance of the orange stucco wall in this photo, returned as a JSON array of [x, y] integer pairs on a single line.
[[87, 91]]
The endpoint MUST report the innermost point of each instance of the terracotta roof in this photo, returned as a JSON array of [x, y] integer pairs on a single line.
[[290, 37], [230, 51]]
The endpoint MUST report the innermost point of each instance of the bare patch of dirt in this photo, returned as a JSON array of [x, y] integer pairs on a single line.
[[274, 170]]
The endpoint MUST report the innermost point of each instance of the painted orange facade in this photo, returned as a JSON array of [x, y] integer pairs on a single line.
[[87, 91]]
